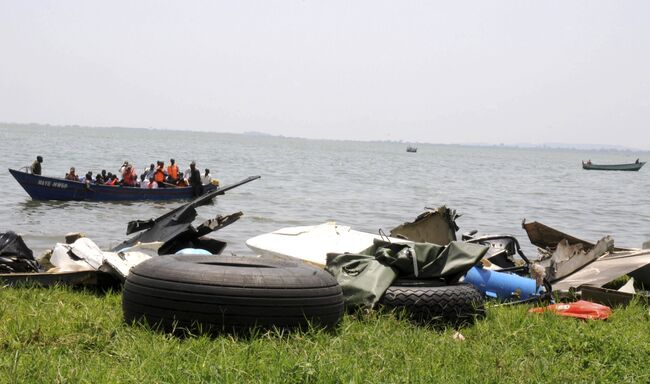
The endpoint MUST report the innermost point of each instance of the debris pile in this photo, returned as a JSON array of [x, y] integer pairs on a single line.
[[421, 267]]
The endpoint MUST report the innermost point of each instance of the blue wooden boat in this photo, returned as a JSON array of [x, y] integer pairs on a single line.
[[613, 167], [52, 188]]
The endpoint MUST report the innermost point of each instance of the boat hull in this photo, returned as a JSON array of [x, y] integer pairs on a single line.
[[613, 167], [50, 188]]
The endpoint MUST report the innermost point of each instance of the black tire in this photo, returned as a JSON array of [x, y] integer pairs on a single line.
[[212, 294], [414, 282], [455, 304]]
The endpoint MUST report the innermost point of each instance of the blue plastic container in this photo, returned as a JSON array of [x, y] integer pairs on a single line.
[[502, 285]]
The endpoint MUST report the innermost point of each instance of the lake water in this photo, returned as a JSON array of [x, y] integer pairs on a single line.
[[366, 185]]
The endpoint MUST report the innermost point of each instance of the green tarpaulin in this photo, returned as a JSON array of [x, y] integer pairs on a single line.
[[365, 277]]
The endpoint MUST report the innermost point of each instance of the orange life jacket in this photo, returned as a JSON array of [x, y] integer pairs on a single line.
[[172, 171], [129, 177], [159, 175]]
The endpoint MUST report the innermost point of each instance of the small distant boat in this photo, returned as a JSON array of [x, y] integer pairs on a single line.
[[50, 188], [411, 149], [613, 167]]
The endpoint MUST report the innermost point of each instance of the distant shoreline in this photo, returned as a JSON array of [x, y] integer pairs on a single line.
[[576, 147]]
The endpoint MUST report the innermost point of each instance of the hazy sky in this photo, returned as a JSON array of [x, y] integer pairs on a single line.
[[443, 72]]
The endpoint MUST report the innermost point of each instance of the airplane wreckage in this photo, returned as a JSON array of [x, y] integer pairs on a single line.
[[418, 261]]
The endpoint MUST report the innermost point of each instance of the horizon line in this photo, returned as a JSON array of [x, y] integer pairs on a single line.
[[574, 146]]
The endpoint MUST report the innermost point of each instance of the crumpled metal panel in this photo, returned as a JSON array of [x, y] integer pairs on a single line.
[[437, 226], [607, 268]]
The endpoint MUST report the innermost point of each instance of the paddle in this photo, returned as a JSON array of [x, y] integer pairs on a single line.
[[171, 185]]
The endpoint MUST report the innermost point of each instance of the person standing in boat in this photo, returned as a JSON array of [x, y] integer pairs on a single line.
[[36, 165], [195, 180], [123, 167]]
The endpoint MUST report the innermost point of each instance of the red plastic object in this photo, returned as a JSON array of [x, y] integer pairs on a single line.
[[581, 309]]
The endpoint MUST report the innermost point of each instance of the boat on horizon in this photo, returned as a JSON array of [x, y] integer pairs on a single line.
[[411, 149], [588, 165], [52, 188]]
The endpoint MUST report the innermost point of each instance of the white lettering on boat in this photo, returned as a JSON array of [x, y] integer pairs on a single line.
[[53, 184]]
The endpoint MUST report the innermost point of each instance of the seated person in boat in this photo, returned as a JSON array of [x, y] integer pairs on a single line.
[[129, 177], [36, 166], [71, 175], [112, 180], [152, 184], [637, 161], [159, 174], [207, 177], [144, 182], [172, 172], [88, 179], [99, 180], [182, 182], [148, 172]]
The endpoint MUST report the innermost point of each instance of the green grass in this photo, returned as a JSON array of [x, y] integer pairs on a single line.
[[63, 336]]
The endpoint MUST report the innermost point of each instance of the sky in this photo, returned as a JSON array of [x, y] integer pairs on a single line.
[[419, 71]]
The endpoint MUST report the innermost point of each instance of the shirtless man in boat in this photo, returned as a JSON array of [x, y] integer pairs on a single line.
[[72, 176]]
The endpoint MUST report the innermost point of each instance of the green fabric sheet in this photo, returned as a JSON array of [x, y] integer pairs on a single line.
[[365, 277]]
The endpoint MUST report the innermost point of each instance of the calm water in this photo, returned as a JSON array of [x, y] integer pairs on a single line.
[[365, 185]]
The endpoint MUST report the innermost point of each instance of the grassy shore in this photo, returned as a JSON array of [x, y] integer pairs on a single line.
[[64, 336]]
